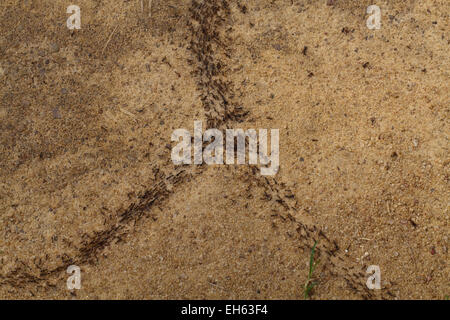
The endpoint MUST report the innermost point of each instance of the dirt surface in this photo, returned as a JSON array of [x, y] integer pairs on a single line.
[[86, 118]]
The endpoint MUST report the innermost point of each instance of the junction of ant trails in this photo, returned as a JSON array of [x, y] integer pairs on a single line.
[[213, 152]]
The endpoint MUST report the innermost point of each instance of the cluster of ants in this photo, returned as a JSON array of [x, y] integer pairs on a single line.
[[206, 43]]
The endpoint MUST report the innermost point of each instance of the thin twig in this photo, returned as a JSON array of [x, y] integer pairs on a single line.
[[127, 112], [149, 7], [109, 39]]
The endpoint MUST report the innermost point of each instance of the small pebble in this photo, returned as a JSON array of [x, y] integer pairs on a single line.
[[277, 47], [366, 254], [54, 47], [56, 113]]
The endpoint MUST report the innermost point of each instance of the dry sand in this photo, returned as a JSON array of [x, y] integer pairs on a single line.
[[86, 176]]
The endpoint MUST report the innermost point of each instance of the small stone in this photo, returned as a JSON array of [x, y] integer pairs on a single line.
[[56, 113], [415, 143], [54, 47], [277, 47]]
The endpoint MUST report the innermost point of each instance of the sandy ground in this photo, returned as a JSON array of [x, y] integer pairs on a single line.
[[86, 118]]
